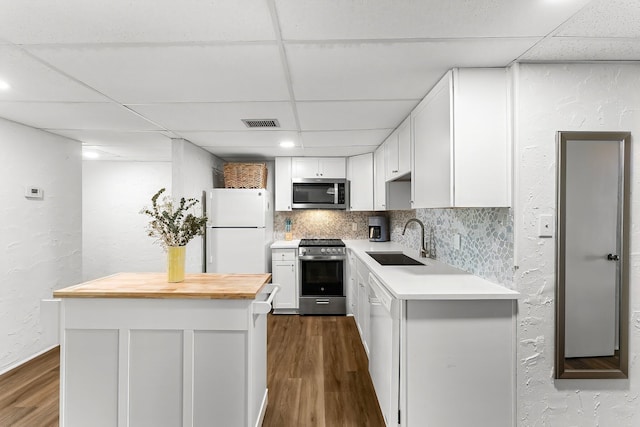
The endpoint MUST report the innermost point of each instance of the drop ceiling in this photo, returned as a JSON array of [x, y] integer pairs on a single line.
[[124, 77]]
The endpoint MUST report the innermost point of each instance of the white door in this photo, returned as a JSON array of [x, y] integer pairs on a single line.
[[237, 250], [235, 207], [590, 230]]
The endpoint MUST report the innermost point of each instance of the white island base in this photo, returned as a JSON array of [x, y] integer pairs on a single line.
[[163, 362]]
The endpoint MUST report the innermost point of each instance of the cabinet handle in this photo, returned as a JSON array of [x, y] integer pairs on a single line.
[[395, 171]]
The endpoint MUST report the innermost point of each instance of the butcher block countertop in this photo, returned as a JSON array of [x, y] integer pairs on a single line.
[[155, 285]]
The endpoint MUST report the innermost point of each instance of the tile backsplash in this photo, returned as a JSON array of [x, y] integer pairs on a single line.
[[323, 224], [486, 238], [486, 234]]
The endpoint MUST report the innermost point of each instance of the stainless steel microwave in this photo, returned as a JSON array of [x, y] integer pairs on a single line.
[[320, 193]]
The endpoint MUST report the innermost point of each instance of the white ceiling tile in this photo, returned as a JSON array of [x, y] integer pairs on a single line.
[[121, 145], [605, 18], [230, 153], [31, 80], [97, 137], [56, 115], [347, 138], [248, 138], [344, 115], [389, 70], [114, 21], [216, 116], [149, 74], [584, 49], [339, 151], [392, 19]]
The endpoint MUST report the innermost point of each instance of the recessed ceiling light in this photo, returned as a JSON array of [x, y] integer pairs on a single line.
[[287, 144], [4, 85], [90, 155]]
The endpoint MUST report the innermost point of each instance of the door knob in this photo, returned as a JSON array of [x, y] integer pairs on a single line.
[[612, 257]]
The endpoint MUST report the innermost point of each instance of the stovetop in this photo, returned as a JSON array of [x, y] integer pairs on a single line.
[[322, 242]]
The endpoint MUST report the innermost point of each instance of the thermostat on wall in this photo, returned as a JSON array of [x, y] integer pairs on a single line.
[[33, 193]]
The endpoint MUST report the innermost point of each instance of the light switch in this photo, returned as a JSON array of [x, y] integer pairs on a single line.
[[545, 226]]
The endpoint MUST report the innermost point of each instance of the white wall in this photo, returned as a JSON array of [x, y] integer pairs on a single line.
[[40, 240], [192, 175], [549, 98], [114, 232]]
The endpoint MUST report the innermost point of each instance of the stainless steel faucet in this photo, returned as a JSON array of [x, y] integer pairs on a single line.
[[423, 248]]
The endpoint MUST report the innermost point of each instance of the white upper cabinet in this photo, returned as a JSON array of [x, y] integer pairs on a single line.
[[318, 167], [283, 183], [392, 195], [460, 142], [360, 176], [398, 151], [379, 190]]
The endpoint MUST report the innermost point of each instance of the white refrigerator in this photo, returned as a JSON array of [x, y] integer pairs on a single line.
[[239, 231]]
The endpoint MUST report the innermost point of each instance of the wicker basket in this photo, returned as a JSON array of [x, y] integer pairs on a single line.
[[245, 175]]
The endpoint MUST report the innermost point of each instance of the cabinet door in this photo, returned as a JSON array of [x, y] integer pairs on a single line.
[[481, 149], [360, 176], [362, 278], [379, 190], [391, 156], [431, 172], [332, 167], [283, 183], [404, 147], [363, 311], [284, 274], [352, 289], [304, 167]]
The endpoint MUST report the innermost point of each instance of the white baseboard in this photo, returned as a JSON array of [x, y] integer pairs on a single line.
[[263, 408], [22, 362]]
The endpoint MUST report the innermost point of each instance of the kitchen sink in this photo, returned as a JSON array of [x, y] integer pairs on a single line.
[[393, 258]]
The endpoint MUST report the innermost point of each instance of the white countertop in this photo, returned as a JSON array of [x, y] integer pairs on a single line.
[[433, 281], [285, 244]]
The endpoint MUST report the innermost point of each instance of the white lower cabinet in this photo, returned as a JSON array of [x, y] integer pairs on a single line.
[[351, 284], [285, 273], [384, 348], [458, 354], [362, 317], [430, 358]]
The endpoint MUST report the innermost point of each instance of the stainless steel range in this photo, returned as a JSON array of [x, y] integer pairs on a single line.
[[322, 276]]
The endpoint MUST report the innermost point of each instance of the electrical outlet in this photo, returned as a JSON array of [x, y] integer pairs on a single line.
[[545, 226], [354, 226]]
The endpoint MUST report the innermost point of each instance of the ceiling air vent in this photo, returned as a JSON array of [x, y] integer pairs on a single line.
[[261, 123]]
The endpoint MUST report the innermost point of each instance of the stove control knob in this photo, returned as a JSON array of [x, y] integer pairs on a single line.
[[323, 250]]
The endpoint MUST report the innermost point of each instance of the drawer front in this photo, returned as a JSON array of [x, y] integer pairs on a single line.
[[283, 254]]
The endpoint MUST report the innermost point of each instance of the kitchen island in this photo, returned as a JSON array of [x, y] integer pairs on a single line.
[[139, 351]]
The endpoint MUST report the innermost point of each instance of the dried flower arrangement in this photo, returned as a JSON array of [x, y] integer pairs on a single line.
[[171, 225]]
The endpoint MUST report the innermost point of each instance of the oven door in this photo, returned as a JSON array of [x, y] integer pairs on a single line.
[[320, 277]]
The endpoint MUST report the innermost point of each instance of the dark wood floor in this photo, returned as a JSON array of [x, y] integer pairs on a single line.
[[317, 376], [29, 394], [602, 362]]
